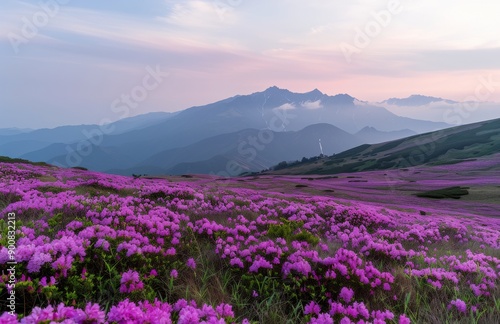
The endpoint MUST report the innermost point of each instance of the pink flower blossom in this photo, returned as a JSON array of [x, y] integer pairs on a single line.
[[191, 263], [312, 308], [404, 320], [459, 304], [130, 282], [346, 294]]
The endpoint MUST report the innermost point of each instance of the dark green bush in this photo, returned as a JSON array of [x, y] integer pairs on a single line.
[[450, 192]]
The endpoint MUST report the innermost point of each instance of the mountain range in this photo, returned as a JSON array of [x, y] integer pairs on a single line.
[[205, 139]]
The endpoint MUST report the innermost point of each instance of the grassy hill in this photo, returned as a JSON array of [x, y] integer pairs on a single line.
[[6, 159], [448, 146]]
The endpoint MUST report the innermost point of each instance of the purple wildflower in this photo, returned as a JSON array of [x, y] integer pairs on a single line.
[[346, 294], [130, 282], [312, 308], [459, 304], [191, 263], [404, 320]]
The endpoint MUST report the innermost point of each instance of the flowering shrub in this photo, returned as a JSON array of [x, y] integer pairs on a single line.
[[96, 248], [130, 282]]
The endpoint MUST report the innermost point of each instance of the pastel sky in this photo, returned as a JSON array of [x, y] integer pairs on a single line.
[[67, 63]]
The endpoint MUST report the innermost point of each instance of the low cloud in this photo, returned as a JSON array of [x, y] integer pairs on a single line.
[[287, 106], [312, 104], [442, 104]]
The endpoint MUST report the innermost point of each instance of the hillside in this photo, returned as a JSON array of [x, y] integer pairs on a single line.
[[46, 143], [249, 150], [448, 146]]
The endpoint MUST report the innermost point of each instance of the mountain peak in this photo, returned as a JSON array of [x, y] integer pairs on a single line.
[[368, 129], [274, 89], [315, 92], [341, 99]]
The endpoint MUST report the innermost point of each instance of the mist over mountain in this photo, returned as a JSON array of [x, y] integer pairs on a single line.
[[416, 100], [471, 110], [370, 135]]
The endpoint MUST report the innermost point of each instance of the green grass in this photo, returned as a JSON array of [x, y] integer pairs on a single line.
[[52, 189], [450, 192], [6, 159], [450, 162]]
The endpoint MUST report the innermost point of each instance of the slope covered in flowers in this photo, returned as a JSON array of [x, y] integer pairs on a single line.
[[95, 248]]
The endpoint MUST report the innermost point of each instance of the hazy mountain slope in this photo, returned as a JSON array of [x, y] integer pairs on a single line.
[[34, 142], [49, 144], [100, 158], [22, 147], [371, 135], [62, 134], [47, 153], [252, 149], [14, 131], [286, 146], [447, 146], [140, 121]]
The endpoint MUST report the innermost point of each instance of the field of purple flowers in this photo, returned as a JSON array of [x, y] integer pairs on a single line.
[[96, 248]]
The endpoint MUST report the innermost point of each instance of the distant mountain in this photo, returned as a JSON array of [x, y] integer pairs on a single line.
[[370, 135], [23, 143], [14, 131], [448, 146], [48, 152], [442, 110], [342, 110], [42, 144], [140, 121], [64, 134], [276, 109], [19, 148], [416, 100], [248, 150]]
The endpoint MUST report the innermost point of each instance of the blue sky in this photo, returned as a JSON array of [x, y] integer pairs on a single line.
[[84, 54]]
